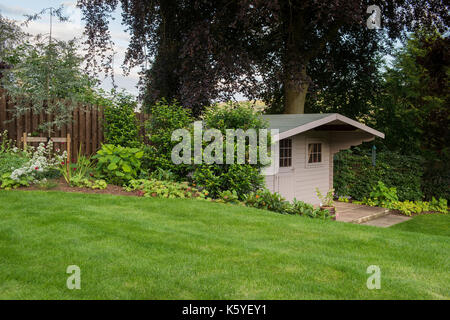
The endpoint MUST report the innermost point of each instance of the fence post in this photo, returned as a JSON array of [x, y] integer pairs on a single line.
[[24, 138], [68, 151]]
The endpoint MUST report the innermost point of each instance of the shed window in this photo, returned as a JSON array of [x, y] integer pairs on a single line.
[[286, 153], [314, 152]]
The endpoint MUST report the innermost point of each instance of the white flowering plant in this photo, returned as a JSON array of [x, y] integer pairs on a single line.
[[42, 160], [11, 157]]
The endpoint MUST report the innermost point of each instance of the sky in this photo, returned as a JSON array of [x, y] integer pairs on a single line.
[[15, 9]]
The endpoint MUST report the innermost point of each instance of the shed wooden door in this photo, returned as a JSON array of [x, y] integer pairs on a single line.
[[285, 183]]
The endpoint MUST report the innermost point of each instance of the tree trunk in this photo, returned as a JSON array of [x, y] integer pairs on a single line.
[[294, 98], [295, 89]]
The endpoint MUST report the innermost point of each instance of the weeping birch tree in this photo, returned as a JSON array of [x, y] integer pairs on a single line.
[[45, 76]]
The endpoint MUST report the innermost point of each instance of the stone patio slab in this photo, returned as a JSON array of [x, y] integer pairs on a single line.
[[365, 215], [386, 221], [355, 213]]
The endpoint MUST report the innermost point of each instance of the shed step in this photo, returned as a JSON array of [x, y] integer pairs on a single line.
[[371, 217]]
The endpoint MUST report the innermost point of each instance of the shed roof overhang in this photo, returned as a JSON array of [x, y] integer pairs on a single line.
[[293, 124]]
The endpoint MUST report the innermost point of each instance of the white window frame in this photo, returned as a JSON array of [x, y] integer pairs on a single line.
[[286, 169], [322, 149]]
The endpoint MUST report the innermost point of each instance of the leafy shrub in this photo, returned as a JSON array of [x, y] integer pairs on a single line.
[[355, 176], [436, 180], [264, 199], [165, 118], [228, 196], [11, 157], [118, 165], [243, 178], [165, 189], [440, 205], [387, 198], [308, 210], [120, 123], [382, 195], [416, 207], [9, 161], [216, 178]]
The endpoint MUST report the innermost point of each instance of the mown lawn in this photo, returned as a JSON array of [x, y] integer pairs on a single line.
[[437, 224], [136, 248]]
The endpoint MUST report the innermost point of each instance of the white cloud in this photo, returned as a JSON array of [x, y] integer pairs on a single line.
[[13, 10], [74, 29]]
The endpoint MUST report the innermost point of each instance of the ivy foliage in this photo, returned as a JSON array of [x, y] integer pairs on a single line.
[[355, 176]]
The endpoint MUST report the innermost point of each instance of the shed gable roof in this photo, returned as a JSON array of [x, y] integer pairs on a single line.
[[292, 124]]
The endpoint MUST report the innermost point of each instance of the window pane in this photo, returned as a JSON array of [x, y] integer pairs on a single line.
[[285, 153], [314, 153]]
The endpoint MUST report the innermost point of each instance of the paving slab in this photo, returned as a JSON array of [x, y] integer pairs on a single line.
[[386, 221], [355, 213]]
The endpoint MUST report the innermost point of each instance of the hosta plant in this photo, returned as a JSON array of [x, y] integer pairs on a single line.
[[118, 165]]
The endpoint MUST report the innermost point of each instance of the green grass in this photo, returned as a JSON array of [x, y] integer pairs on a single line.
[[437, 224], [136, 248]]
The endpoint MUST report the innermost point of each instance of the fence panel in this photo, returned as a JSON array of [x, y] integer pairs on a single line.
[[86, 128]]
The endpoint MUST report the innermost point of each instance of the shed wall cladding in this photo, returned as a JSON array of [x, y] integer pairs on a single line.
[[308, 177], [301, 180]]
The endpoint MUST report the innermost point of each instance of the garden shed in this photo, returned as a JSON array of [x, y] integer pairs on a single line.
[[307, 144]]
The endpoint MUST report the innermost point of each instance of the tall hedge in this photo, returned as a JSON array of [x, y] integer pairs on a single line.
[[355, 176], [165, 118], [121, 127]]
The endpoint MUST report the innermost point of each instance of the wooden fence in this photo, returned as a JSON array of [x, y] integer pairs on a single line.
[[86, 129]]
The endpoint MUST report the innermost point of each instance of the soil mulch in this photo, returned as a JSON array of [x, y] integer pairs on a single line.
[[61, 185]]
